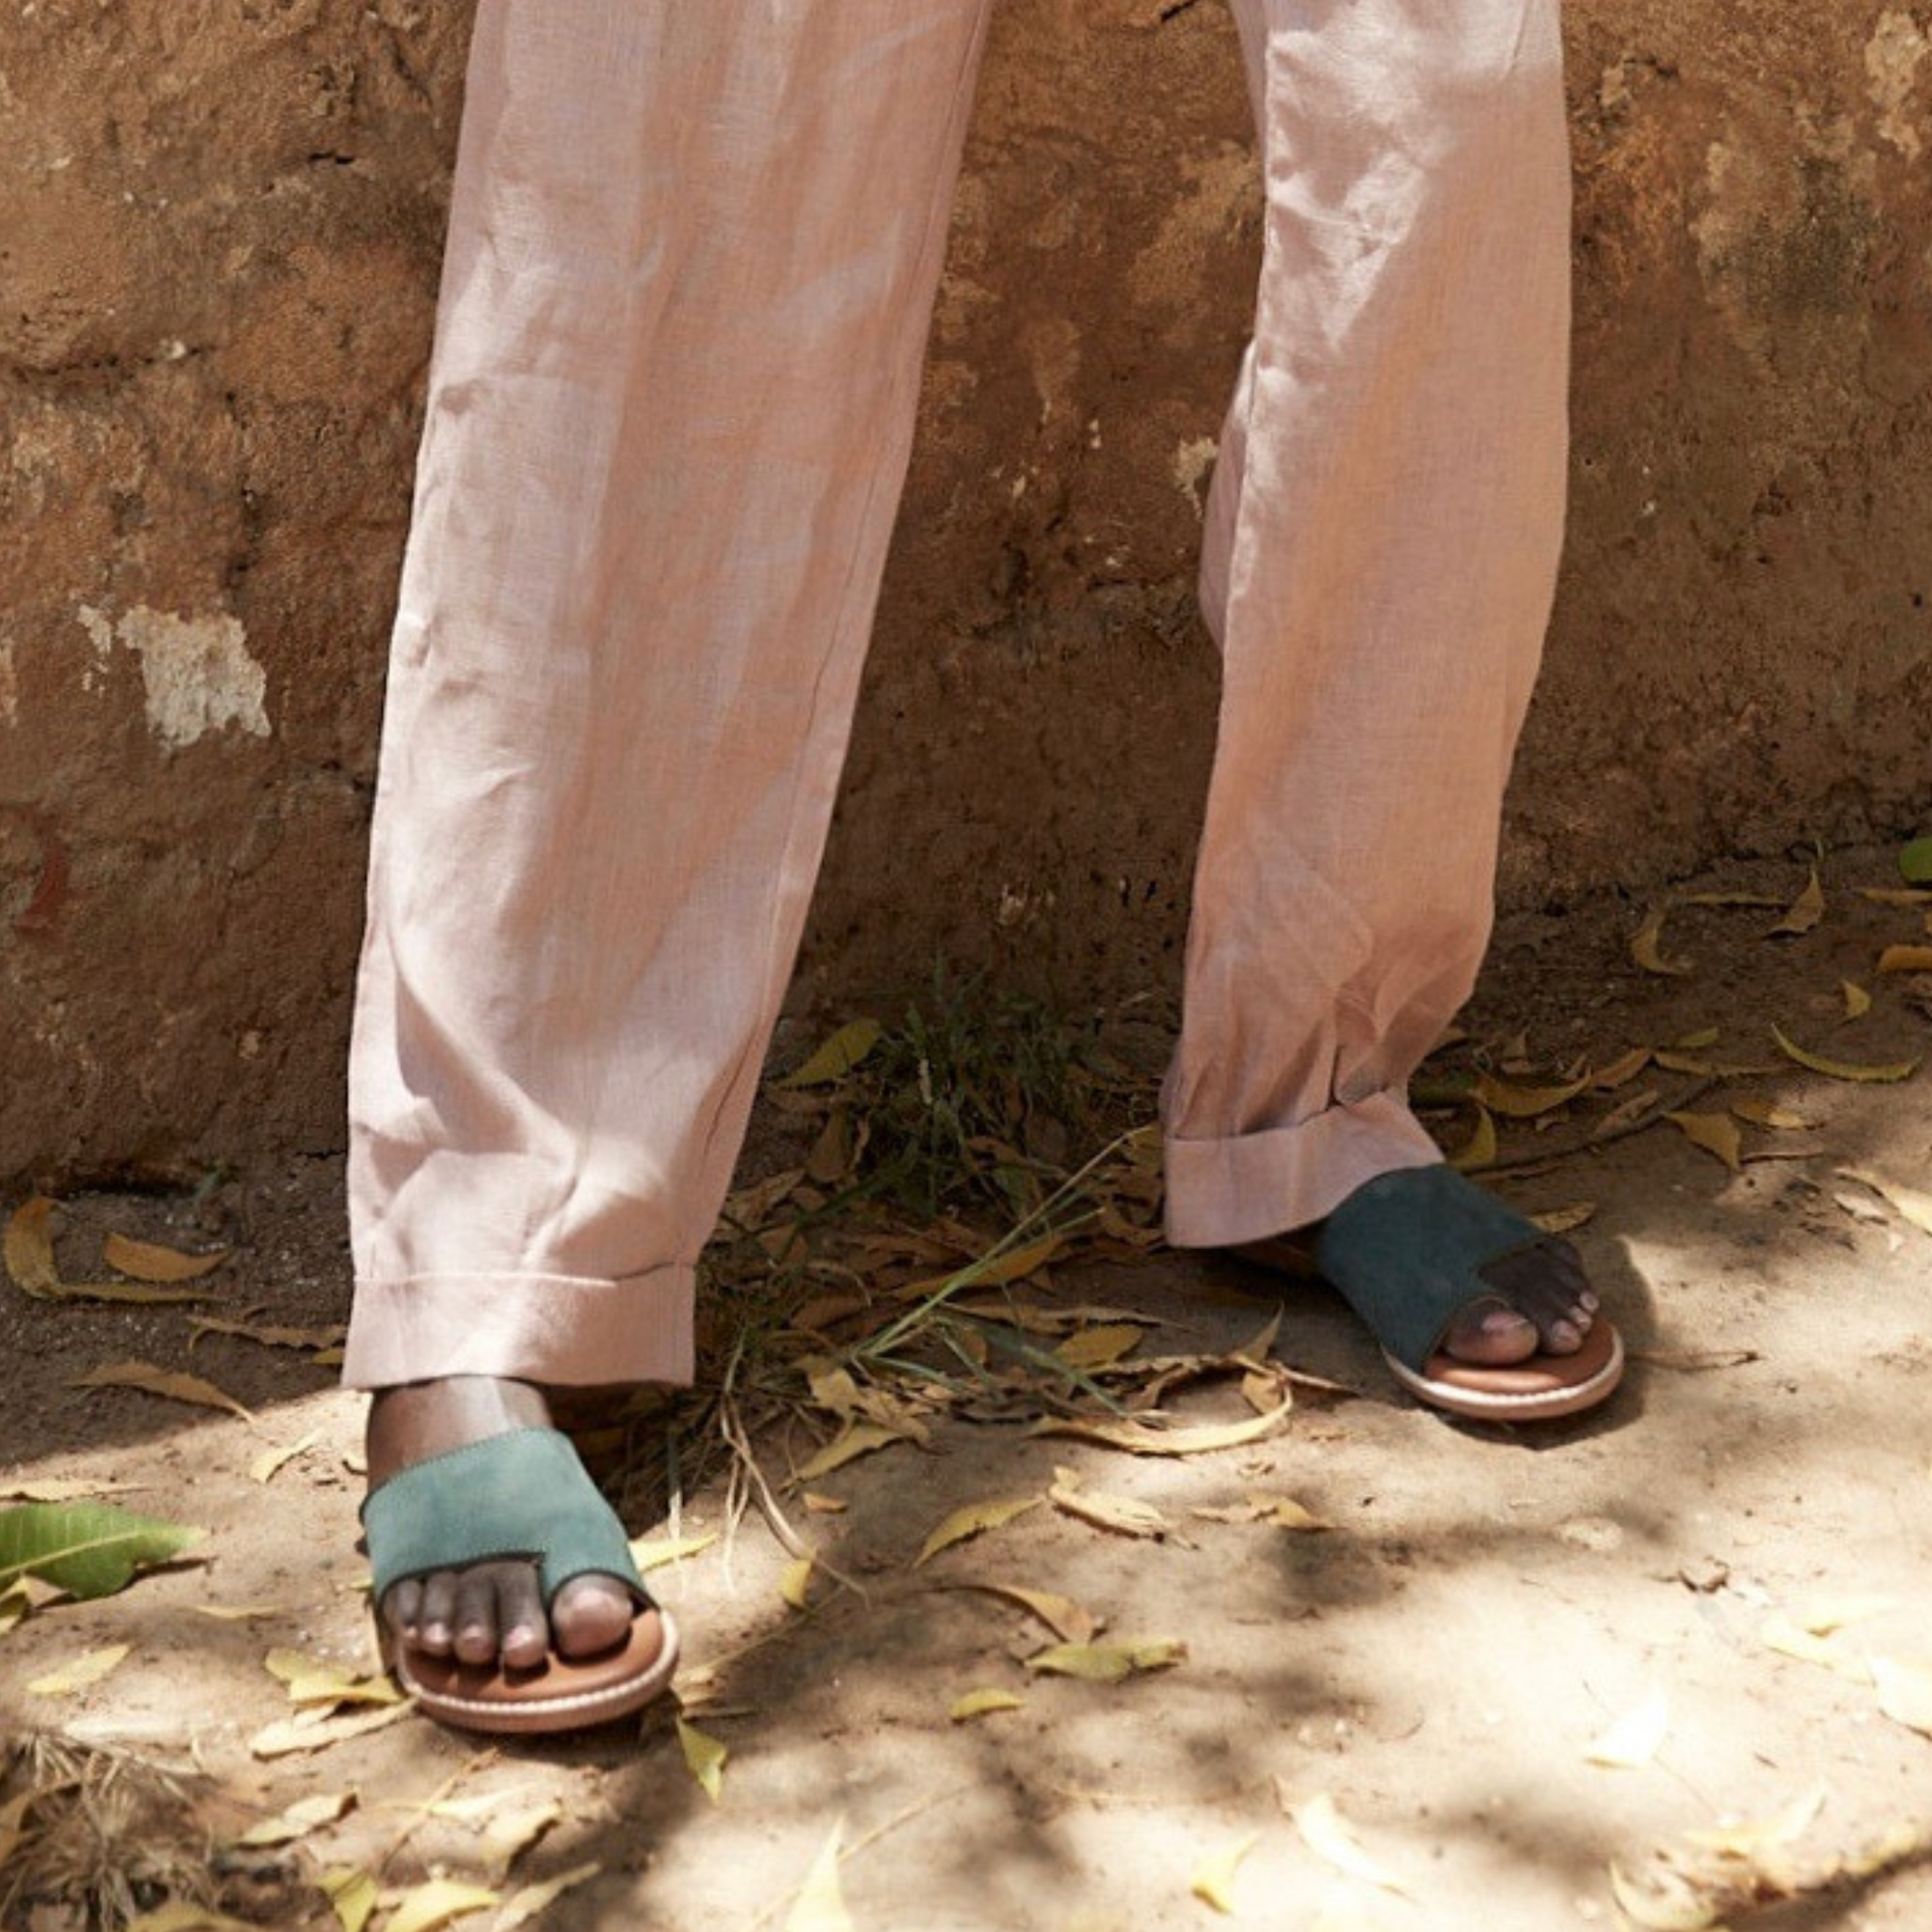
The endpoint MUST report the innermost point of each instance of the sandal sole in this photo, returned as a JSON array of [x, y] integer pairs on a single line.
[[558, 1697]]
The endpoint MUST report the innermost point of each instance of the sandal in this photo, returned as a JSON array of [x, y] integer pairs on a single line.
[[520, 1495], [1405, 1250]]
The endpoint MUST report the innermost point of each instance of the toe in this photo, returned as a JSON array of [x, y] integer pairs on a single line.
[[525, 1630], [477, 1640], [436, 1626], [1491, 1333], [590, 1614], [402, 1609]]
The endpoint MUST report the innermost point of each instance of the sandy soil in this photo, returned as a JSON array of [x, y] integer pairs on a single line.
[[1484, 1606]]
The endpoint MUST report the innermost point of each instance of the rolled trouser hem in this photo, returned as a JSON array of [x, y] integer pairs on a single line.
[[558, 1329], [1221, 1192]]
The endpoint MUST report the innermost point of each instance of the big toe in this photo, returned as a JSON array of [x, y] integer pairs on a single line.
[[1491, 1334], [590, 1614]]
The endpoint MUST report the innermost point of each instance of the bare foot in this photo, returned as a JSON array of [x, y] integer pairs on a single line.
[[489, 1610]]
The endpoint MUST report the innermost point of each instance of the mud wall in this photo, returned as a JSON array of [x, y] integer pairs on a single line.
[[218, 254]]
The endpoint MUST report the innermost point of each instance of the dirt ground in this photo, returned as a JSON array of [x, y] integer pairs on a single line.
[[1482, 1609]]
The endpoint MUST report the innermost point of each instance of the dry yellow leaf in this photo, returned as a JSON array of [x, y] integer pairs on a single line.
[[1285, 1513], [1636, 1739], [1715, 1133], [1625, 1113], [1666, 1901], [660, 1552], [748, 1208], [1904, 1691], [1002, 1271], [1479, 1151], [975, 1519], [239, 1613], [981, 1704], [268, 1334], [83, 1672], [1214, 1879], [837, 1057], [28, 1248], [1109, 1663], [1915, 1203], [1141, 1439], [989, 1271], [704, 1758], [1697, 1041], [1805, 910], [436, 1903], [1566, 1220], [506, 1838], [1843, 1069], [1516, 1102], [15, 1602], [1905, 959], [1832, 1613], [1788, 1639], [179, 1915], [1329, 1838], [162, 1382], [1765, 1113], [1646, 948], [1858, 1001], [1124, 1515], [859, 1439], [313, 1681], [1895, 894], [796, 1581], [270, 1463], [833, 1152], [315, 1730], [147, 1261], [352, 1895], [66, 1489], [302, 1818], [817, 1505], [1892, 1846], [1621, 1070], [29, 1254], [523, 1907], [820, 1904], [1099, 1347], [1747, 1841], [1061, 1614]]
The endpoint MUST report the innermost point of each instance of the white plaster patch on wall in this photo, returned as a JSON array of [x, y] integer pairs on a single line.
[[100, 633], [1892, 57], [1191, 463], [196, 671]]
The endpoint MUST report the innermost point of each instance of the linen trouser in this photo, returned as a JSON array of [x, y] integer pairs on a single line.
[[692, 257]]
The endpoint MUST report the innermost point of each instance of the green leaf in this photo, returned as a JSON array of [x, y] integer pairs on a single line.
[[1915, 863], [86, 1549]]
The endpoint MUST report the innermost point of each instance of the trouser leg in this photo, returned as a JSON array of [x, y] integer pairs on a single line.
[[691, 262], [1382, 540]]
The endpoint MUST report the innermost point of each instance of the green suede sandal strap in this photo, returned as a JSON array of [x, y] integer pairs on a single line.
[[523, 1493], [1405, 1250]]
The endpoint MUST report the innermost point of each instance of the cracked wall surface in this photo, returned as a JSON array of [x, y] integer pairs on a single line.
[[217, 255]]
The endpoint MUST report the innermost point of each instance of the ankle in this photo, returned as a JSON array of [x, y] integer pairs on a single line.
[[415, 1420]]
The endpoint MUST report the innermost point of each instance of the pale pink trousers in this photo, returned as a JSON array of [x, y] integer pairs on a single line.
[[691, 263]]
